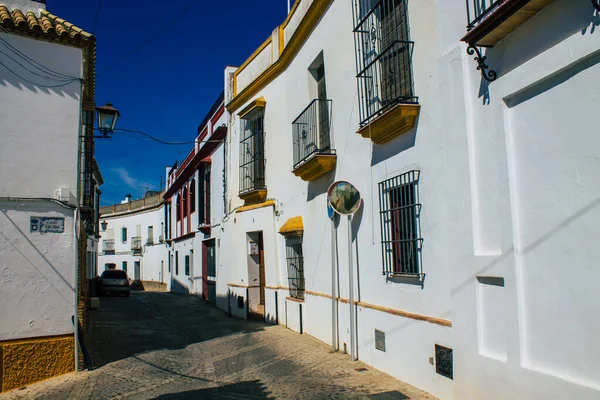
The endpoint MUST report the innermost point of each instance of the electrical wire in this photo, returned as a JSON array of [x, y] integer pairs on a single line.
[[35, 73], [96, 17], [135, 49], [163, 141], [37, 84], [31, 61]]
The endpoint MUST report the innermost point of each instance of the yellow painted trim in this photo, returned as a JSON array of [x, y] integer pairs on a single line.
[[293, 225], [406, 314], [267, 203], [400, 313], [312, 17], [256, 103], [237, 285], [294, 299], [394, 122], [25, 361], [281, 41], [248, 61], [316, 166]]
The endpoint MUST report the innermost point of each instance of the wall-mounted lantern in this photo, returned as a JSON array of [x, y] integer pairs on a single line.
[[104, 225], [107, 118]]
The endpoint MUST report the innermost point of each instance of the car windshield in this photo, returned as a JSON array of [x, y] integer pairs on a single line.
[[114, 274]]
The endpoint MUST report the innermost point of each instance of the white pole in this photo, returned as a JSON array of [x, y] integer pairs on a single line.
[[76, 263], [351, 284], [333, 297]]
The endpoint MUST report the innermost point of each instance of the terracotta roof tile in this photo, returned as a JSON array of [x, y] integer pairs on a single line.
[[46, 23]]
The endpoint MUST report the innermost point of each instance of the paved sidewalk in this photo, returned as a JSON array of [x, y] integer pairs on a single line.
[[237, 359]]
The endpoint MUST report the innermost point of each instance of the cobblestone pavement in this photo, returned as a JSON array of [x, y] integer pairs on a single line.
[[166, 346]]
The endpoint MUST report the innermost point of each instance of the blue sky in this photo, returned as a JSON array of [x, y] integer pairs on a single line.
[[167, 86]]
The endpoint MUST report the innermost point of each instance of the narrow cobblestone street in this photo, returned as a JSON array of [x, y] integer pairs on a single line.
[[165, 346]]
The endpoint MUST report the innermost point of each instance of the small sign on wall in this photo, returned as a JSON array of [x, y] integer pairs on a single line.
[[47, 224], [253, 248]]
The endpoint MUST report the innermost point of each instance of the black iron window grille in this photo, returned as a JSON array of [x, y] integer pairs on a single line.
[[479, 10], [186, 261], [252, 152], [311, 131], [400, 211], [295, 263], [383, 51]]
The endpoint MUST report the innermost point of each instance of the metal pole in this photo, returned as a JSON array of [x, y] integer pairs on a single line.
[[333, 297], [351, 287], [76, 273]]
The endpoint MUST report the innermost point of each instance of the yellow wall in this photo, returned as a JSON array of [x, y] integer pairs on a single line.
[[30, 360]]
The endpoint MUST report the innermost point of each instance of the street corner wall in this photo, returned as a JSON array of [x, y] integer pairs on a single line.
[[37, 284], [27, 361]]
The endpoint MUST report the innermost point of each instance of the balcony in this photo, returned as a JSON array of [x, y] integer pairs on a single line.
[[313, 153], [490, 21], [388, 106], [136, 243], [108, 245], [253, 188]]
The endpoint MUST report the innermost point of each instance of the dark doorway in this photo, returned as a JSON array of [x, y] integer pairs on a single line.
[[209, 271], [256, 276]]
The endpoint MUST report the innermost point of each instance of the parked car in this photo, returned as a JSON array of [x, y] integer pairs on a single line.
[[114, 281]]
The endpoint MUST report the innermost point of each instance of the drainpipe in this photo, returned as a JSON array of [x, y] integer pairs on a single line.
[[75, 239], [351, 287], [333, 294]]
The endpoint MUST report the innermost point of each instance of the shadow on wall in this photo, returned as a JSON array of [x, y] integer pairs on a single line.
[[47, 83], [537, 36], [254, 389], [381, 152], [178, 287], [21, 246], [319, 186]]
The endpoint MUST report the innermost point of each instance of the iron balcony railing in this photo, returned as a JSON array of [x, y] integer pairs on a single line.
[[383, 51], [252, 162], [311, 131], [479, 10], [108, 245], [136, 243]]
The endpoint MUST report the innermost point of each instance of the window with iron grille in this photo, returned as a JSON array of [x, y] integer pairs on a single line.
[[400, 224], [295, 263], [187, 265], [124, 235], [204, 195], [252, 152], [176, 263], [184, 202], [192, 196], [383, 51]]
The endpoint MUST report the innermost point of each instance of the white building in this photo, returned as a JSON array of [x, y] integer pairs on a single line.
[[195, 208], [476, 194], [47, 104], [133, 240]]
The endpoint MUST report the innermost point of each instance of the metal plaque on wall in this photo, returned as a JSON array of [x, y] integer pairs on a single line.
[[379, 340], [444, 362], [47, 224]]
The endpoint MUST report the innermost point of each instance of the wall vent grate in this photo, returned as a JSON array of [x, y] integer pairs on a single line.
[[444, 361], [379, 340]]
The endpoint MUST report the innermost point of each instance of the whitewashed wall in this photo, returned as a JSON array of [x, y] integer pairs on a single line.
[[534, 152], [364, 165], [40, 125], [37, 272], [151, 258]]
